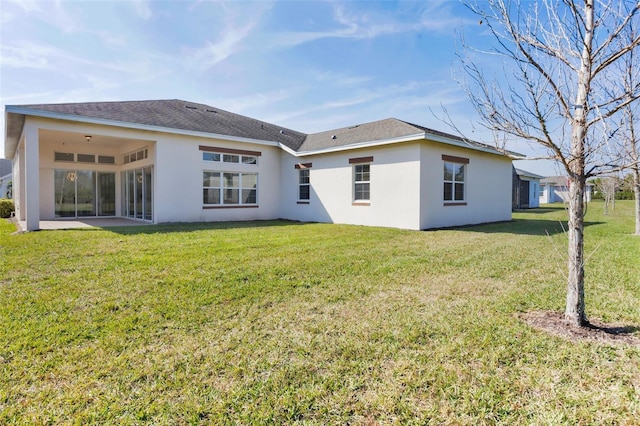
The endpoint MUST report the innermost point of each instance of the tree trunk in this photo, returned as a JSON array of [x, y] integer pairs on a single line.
[[636, 191], [575, 309], [574, 312]]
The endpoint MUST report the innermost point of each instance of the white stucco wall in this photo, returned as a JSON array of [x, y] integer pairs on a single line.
[[406, 186], [179, 168], [394, 187], [487, 188]]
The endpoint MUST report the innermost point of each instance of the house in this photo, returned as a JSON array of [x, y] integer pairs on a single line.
[[176, 161], [525, 189], [555, 189], [6, 177]]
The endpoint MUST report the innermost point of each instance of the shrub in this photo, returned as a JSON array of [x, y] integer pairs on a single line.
[[6, 207]]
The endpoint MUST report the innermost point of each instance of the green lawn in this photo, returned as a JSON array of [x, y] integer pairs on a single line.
[[287, 323]]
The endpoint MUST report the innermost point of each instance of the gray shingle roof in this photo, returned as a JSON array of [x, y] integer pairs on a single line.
[[193, 117], [525, 173], [387, 129], [369, 132], [178, 114]]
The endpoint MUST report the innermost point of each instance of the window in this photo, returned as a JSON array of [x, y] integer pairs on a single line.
[[249, 159], [361, 182], [135, 156], [106, 159], [229, 156], [304, 188], [454, 180], [83, 158], [210, 156], [229, 188], [86, 158], [64, 156]]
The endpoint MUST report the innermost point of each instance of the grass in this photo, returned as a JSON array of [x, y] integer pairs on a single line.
[[287, 323]]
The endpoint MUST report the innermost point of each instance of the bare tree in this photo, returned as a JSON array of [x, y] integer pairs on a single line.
[[607, 186], [629, 137], [555, 92]]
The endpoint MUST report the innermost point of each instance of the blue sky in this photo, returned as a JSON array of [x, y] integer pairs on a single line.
[[307, 65]]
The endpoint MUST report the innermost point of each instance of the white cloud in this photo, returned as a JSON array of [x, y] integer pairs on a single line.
[[228, 44], [428, 15], [143, 9], [26, 55], [244, 103], [28, 6]]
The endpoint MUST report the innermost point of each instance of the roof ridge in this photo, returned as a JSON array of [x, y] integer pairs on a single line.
[[353, 126]]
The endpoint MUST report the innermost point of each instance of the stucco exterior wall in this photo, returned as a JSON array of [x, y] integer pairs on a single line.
[[179, 168], [487, 188], [394, 186], [406, 179]]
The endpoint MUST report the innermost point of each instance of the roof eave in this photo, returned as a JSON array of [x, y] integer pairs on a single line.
[[409, 138], [460, 143], [367, 144], [13, 126], [134, 126]]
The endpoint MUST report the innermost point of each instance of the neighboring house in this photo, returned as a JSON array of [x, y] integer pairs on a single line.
[[555, 189], [177, 161], [6, 177], [526, 187]]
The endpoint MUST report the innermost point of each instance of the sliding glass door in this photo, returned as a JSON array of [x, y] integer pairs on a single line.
[[137, 193], [84, 193]]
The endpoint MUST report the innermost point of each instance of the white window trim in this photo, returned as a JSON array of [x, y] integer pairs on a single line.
[[308, 184], [361, 201], [453, 183], [240, 203]]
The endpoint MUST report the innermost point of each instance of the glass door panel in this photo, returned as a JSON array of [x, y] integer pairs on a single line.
[[106, 194], [130, 194], [65, 193], [138, 194], [86, 193], [147, 194]]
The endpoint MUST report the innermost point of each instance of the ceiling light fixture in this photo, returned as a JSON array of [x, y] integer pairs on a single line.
[[88, 138]]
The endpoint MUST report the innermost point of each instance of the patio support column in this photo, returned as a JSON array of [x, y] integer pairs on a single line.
[[31, 171]]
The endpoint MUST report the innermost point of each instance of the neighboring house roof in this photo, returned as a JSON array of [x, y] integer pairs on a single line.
[[558, 181], [554, 180], [524, 173], [189, 117]]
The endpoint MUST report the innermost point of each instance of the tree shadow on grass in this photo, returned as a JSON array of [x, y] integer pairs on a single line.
[[524, 227], [545, 209], [166, 228]]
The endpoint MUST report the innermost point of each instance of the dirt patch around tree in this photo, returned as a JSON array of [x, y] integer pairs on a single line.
[[596, 331]]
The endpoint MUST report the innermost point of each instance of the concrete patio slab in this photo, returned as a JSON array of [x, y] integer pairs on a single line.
[[97, 222]]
